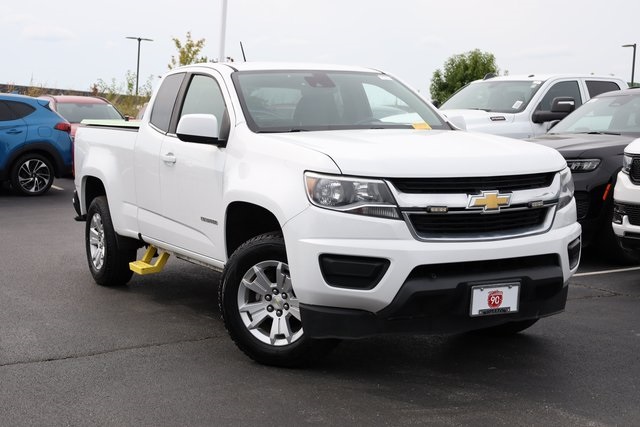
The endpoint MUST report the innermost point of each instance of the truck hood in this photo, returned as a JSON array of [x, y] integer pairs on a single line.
[[475, 119], [393, 153], [575, 145]]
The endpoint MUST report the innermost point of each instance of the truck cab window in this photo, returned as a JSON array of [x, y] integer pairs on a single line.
[[204, 97], [568, 88], [165, 101], [596, 87]]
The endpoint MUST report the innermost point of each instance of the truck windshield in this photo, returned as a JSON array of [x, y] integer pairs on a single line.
[[494, 96], [294, 101]]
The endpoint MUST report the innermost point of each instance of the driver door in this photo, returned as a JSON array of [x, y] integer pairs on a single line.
[[191, 177]]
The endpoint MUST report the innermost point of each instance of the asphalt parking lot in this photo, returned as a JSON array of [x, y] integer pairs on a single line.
[[155, 353]]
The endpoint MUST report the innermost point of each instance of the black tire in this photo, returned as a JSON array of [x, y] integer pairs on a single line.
[[261, 263], [108, 262], [32, 175], [507, 329]]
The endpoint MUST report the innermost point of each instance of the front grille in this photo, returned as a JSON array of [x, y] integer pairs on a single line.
[[634, 172], [470, 223], [472, 185], [582, 203], [632, 212]]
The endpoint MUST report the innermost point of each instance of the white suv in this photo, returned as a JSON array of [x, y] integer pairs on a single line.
[[523, 106], [626, 199]]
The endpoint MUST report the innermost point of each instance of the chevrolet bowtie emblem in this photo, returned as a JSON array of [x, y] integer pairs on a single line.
[[489, 201]]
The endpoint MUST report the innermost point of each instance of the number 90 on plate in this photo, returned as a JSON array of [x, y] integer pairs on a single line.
[[495, 298]]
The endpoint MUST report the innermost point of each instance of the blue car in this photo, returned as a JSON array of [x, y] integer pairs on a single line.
[[35, 144]]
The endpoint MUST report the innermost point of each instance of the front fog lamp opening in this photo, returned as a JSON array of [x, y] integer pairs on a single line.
[[573, 251], [360, 196], [618, 213]]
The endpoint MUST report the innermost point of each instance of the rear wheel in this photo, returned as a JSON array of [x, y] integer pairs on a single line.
[[108, 262], [260, 308], [32, 175]]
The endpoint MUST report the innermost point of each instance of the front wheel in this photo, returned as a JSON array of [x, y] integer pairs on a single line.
[[108, 263], [260, 308]]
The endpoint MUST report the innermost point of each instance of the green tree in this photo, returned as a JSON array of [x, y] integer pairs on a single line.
[[460, 70], [188, 52], [122, 95]]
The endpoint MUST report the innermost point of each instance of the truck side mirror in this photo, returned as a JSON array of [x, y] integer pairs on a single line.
[[561, 106], [198, 128]]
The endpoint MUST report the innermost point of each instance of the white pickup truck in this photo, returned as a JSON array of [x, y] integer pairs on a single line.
[[336, 202], [524, 106]]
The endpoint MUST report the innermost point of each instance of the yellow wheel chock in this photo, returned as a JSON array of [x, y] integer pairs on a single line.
[[144, 266]]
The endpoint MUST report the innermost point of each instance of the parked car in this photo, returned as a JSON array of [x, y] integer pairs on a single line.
[[78, 108], [592, 140], [35, 145], [522, 106], [626, 200]]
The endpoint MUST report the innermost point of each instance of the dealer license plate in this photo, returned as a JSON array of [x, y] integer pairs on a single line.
[[495, 298]]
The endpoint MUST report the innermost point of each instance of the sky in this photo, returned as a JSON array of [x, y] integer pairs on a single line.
[[71, 44]]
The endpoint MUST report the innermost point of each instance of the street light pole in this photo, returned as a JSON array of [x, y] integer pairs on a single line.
[[139, 39], [633, 63], [223, 31]]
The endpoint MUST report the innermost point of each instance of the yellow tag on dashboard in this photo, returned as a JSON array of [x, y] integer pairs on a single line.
[[421, 125]]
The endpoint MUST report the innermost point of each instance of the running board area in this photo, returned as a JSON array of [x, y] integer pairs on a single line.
[[144, 266]]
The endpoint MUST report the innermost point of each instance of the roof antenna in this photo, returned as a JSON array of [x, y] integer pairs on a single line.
[[244, 58]]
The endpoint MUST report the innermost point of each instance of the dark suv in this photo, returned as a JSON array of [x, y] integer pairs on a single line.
[[592, 140], [35, 145]]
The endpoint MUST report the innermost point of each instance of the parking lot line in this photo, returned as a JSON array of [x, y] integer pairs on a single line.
[[55, 187], [618, 270]]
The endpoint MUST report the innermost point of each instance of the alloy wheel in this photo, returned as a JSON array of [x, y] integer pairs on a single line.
[[34, 176], [97, 244], [267, 304]]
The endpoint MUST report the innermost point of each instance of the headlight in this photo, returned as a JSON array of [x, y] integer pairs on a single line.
[[566, 188], [627, 161], [583, 165], [353, 195]]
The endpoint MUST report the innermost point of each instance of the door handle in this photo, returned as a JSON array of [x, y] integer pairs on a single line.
[[168, 158], [14, 131]]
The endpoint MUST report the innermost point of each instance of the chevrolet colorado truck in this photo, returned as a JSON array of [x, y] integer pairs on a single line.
[[336, 202]]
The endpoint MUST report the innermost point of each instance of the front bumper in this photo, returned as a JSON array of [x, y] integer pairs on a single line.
[[437, 299], [426, 285], [628, 194]]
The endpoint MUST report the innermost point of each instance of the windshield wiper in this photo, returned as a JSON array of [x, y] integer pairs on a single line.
[[283, 130], [488, 110], [595, 132]]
